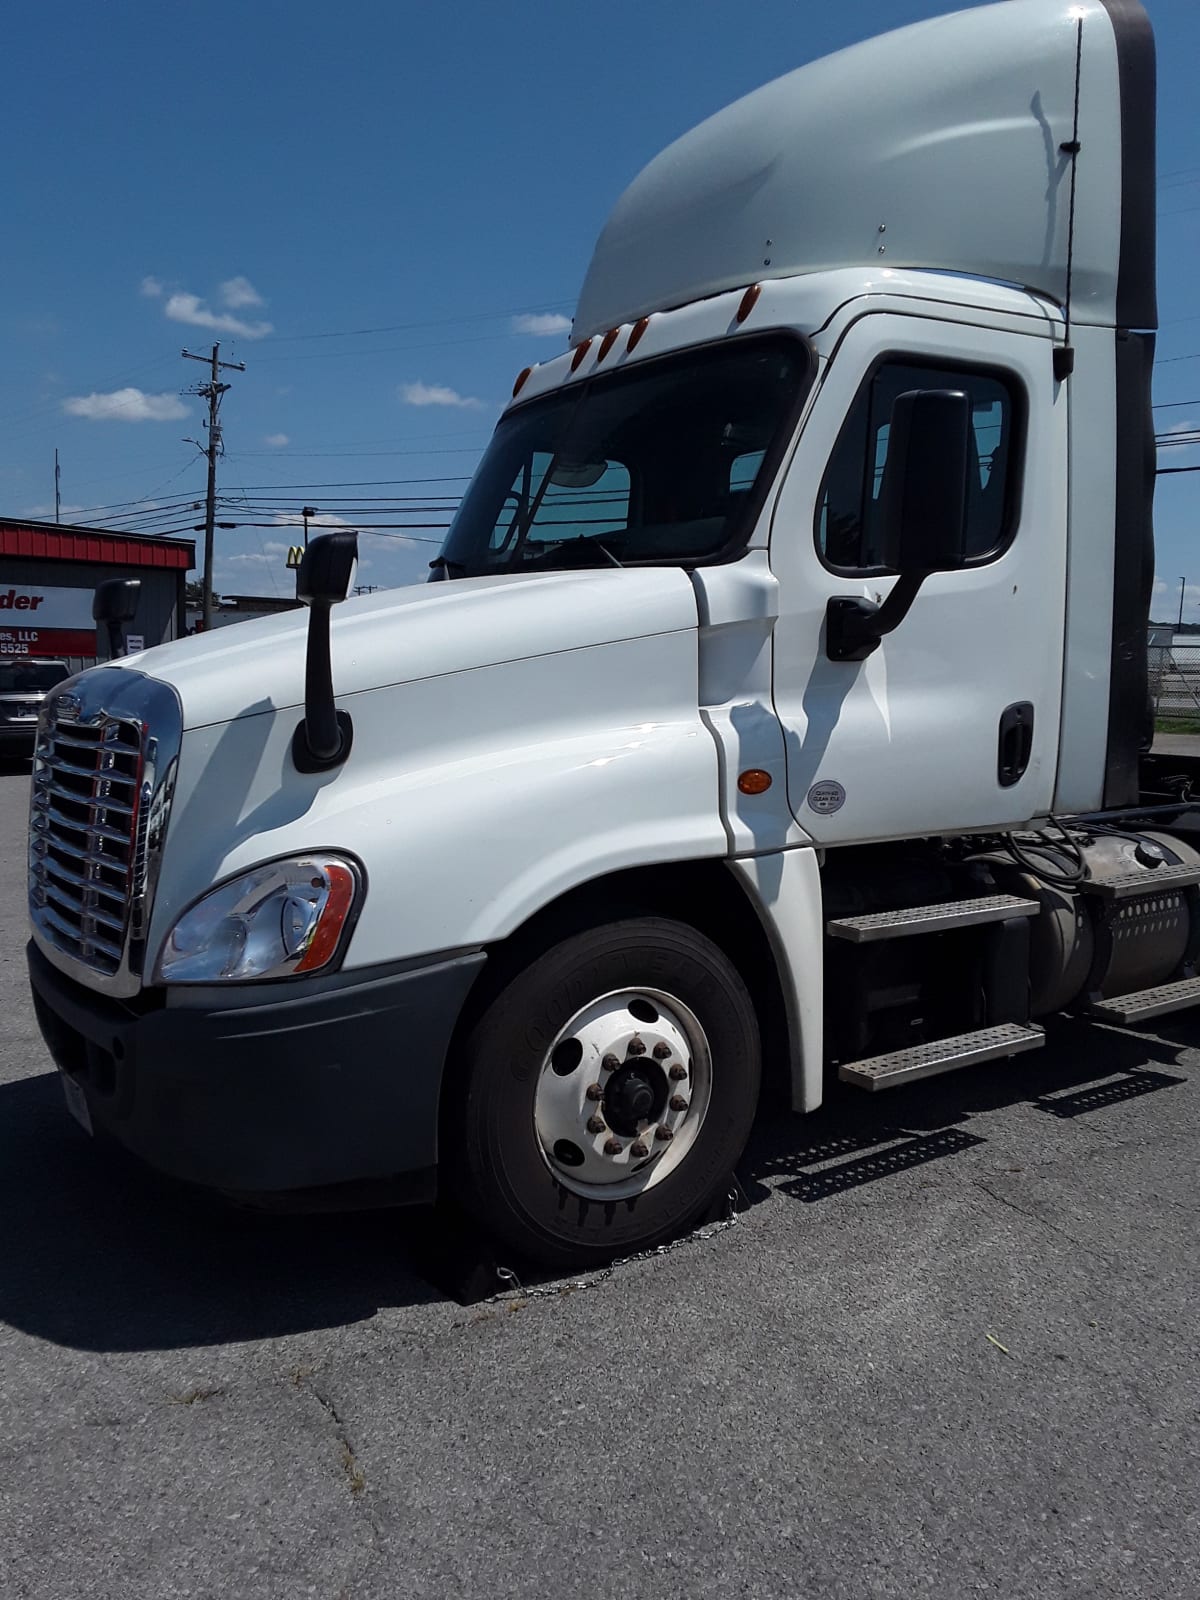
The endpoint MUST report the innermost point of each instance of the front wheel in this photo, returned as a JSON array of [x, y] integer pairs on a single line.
[[609, 1090]]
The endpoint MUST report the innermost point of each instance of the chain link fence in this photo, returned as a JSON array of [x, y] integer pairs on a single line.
[[1175, 679]]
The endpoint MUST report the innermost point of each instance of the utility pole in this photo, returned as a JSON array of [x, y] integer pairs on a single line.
[[57, 489], [1182, 581], [212, 392]]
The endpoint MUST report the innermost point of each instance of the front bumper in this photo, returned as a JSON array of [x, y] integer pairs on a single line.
[[297, 1089]]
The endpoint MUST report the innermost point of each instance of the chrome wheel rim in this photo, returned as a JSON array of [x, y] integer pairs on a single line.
[[622, 1093]]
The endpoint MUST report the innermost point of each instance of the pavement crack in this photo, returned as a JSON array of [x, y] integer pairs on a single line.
[[356, 1478], [352, 1469]]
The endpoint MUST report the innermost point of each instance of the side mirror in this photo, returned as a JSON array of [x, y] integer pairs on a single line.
[[924, 509], [322, 740], [327, 569], [114, 602], [923, 512]]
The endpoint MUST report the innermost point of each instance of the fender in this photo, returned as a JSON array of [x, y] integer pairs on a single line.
[[472, 799], [785, 888]]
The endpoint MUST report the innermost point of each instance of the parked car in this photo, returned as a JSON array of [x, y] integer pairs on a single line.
[[24, 686]]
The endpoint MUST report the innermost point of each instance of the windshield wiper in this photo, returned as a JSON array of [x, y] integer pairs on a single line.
[[570, 547]]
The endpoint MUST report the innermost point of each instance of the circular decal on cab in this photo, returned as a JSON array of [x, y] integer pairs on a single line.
[[826, 797]]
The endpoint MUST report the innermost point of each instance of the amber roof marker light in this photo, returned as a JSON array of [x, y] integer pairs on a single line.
[[749, 301], [522, 378], [606, 344], [636, 332], [581, 350]]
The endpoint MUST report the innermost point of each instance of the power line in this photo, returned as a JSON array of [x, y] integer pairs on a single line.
[[349, 483]]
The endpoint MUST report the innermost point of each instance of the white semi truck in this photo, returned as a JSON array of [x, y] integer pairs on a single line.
[[781, 696]]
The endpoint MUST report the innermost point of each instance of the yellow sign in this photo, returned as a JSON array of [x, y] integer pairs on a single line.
[[295, 555]]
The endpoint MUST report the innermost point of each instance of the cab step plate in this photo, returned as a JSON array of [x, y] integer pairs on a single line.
[[930, 919], [1132, 885], [1146, 1003], [943, 1055]]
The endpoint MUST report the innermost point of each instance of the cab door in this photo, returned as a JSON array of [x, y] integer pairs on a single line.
[[952, 723]]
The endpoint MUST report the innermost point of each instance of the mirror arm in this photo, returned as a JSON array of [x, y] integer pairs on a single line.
[[322, 740], [854, 627]]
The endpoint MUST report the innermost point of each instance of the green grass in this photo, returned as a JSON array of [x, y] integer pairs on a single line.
[[1177, 724]]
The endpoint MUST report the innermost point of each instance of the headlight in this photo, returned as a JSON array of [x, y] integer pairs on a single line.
[[280, 919]]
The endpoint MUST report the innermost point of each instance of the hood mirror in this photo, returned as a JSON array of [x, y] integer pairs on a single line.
[[322, 740]]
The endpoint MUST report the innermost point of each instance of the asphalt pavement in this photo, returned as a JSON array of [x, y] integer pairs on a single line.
[[948, 1350]]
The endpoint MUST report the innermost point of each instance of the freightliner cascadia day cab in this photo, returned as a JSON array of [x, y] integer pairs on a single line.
[[780, 695]]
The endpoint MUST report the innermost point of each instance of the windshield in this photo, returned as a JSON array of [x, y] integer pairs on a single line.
[[30, 677], [657, 464]]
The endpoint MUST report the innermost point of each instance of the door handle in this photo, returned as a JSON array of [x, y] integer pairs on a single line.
[[1016, 743]]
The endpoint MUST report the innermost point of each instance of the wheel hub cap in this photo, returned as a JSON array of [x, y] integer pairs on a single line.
[[622, 1093]]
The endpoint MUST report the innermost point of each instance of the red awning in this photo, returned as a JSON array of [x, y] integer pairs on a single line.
[[50, 542]]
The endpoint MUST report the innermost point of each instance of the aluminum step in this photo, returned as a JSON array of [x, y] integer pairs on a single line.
[[930, 919], [1146, 1003], [1131, 885], [944, 1055]]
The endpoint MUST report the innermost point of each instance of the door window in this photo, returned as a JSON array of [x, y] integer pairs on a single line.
[[849, 529]]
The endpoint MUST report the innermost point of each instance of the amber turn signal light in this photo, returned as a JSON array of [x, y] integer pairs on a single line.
[[754, 781], [749, 301]]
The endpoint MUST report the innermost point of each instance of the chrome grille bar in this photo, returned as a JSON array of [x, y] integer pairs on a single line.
[[103, 773]]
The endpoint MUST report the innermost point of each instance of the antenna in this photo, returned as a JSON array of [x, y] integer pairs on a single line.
[[57, 488], [1064, 354]]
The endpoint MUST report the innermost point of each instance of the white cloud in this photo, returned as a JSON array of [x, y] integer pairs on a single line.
[[436, 394], [1183, 427], [271, 555], [191, 309], [126, 405], [48, 511], [238, 292], [541, 323], [277, 440], [293, 519], [151, 287]]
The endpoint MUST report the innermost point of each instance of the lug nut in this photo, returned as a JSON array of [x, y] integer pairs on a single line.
[[612, 1147], [678, 1072], [678, 1103], [663, 1132], [638, 1149], [594, 1092], [596, 1125], [610, 1063], [662, 1051], [636, 1047]]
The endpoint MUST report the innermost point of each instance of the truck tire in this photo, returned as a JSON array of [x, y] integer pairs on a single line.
[[607, 1093]]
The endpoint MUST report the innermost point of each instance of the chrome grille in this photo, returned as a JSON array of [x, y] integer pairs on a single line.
[[103, 773], [84, 836]]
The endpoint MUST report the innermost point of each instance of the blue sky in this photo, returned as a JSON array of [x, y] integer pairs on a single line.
[[284, 175]]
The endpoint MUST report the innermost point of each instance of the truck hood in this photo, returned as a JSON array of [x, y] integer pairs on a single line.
[[426, 631]]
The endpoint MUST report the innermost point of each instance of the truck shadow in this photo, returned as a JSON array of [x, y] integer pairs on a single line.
[[98, 1254], [857, 1139]]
